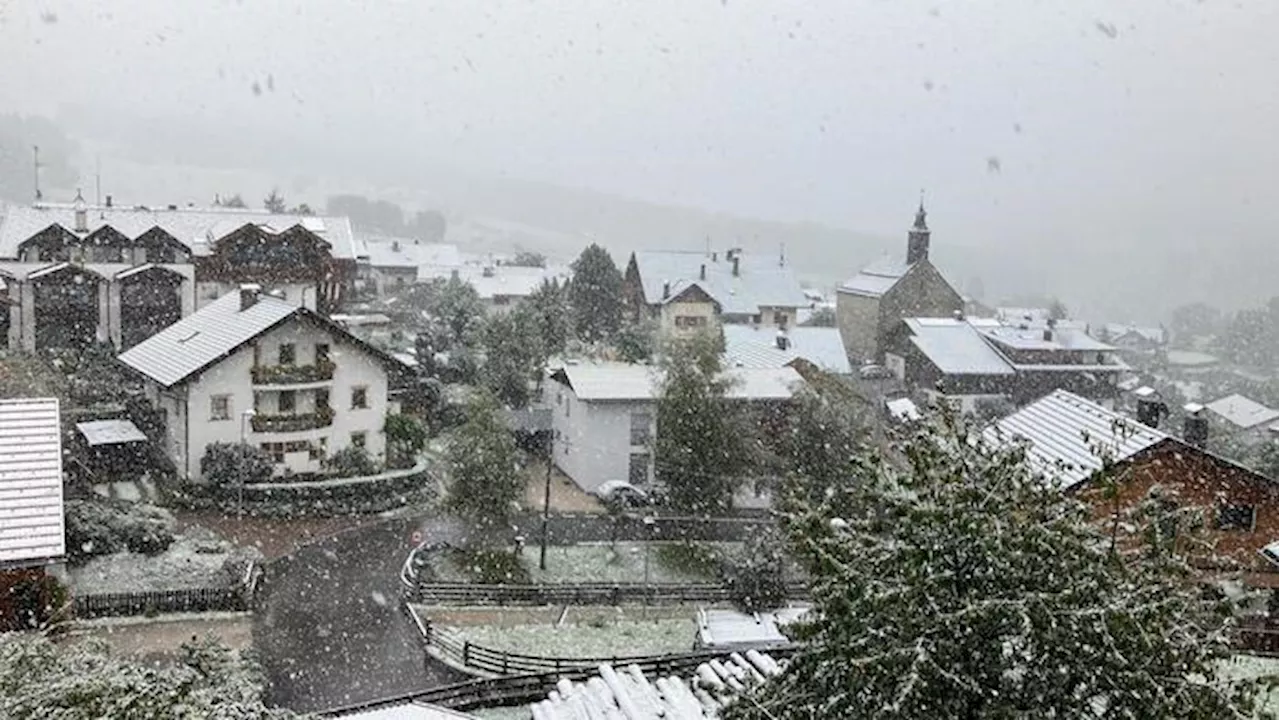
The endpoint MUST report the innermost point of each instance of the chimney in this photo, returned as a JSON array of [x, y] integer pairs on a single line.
[[249, 294], [1048, 329], [735, 265], [958, 315], [666, 290], [173, 207], [783, 342], [714, 257], [702, 271], [109, 201], [1150, 408], [1195, 426], [453, 274], [395, 246]]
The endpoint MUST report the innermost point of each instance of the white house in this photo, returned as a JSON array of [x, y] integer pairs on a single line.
[[254, 368], [603, 416], [1239, 415]]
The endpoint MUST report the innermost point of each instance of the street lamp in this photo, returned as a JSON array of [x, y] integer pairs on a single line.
[[650, 526], [245, 417]]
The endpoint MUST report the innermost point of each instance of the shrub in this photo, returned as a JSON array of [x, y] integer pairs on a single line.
[[235, 463], [99, 527], [351, 461], [692, 557], [492, 567], [756, 578]]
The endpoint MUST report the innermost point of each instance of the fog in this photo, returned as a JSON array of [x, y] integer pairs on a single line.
[[1121, 157]]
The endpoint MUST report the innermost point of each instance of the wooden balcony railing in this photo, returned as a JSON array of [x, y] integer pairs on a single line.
[[322, 417], [287, 374]]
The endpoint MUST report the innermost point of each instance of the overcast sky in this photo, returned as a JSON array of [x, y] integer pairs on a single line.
[[1092, 122]]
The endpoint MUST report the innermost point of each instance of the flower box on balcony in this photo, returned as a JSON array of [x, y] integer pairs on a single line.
[[322, 417], [285, 374]]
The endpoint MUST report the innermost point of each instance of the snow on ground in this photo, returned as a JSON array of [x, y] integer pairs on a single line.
[[518, 712], [597, 562], [193, 560], [1250, 666], [604, 637]]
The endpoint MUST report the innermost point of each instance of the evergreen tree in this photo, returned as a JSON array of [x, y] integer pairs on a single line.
[[550, 307], [484, 480], [513, 355], [453, 305], [965, 586], [595, 294], [699, 450], [635, 341]]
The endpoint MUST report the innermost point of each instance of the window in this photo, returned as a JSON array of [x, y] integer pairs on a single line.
[[638, 469], [780, 319], [566, 408], [320, 449], [220, 407], [322, 353], [288, 401], [322, 398], [755, 319], [359, 397], [288, 353], [1236, 517], [275, 450], [358, 439], [640, 428], [691, 321]]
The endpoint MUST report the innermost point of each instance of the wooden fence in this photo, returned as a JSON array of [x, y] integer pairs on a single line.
[[200, 599], [441, 593]]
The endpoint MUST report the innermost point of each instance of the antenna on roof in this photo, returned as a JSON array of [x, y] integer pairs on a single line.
[[97, 180], [35, 152], [782, 254]]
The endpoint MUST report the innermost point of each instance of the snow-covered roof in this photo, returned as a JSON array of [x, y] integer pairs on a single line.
[[877, 278], [750, 347], [31, 511], [955, 347], [496, 280], [603, 382], [197, 228], [1241, 411], [732, 629], [1056, 427], [30, 271], [406, 253], [1061, 338], [1032, 316], [902, 409], [627, 693], [205, 336], [760, 283], [110, 432], [408, 711], [1190, 358], [1116, 331]]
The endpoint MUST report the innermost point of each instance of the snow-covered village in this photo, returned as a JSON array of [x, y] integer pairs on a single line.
[[677, 360]]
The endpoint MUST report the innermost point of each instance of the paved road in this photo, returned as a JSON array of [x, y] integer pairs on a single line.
[[329, 628]]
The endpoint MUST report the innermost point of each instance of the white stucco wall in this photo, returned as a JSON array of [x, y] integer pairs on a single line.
[[671, 311], [593, 439], [232, 376], [303, 294]]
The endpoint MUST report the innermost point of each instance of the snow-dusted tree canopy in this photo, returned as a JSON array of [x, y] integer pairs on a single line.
[[82, 679], [962, 586]]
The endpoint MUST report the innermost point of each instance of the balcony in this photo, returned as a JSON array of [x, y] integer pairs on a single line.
[[292, 374], [264, 423]]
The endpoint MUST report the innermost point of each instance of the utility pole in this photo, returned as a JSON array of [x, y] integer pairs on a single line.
[[35, 152], [546, 502]]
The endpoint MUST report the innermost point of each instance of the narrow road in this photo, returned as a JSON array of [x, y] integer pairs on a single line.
[[329, 629]]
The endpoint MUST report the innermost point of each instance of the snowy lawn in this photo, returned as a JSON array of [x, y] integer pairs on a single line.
[[1249, 666], [597, 562], [193, 560], [602, 637]]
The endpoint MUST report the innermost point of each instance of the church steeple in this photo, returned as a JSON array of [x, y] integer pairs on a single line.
[[918, 237]]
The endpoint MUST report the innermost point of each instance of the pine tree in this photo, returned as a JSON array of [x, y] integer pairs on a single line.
[[484, 482], [699, 450], [595, 294], [965, 586], [550, 307], [513, 355]]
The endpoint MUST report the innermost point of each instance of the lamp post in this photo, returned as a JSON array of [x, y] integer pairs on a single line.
[[546, 501], [650, 526], [245, 417]]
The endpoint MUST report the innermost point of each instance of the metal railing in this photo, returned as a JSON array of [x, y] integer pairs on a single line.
[[451, 593]]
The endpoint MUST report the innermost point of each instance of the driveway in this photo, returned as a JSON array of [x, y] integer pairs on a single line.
[[329, 629]]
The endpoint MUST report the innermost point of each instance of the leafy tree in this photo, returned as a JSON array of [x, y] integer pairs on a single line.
[[526, 258], [1195, 319], [274, 203], [454, 305], [235, 201], [429, 225], [1253, 336], [550, 307], [822, 317], [514, 355], [1057, 310], [757, 580], [966, 586], [635, 341], [595, 294], [698, 451], [366, 215], [101, 527], [484, 479], [406, 436], [231, 464], [826, 432], [351, 461], [83, 679], [303, 209]]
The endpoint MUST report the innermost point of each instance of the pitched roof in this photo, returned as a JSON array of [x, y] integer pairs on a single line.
[[750, 347], [603, 382], [1062, 338], [759, 283], [877, 278], [406, 253], [501, 280], [955, 347], [197, 228], [1241, 411], [1064, 429], [205, 336], [31, 510], [1150, 334]]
